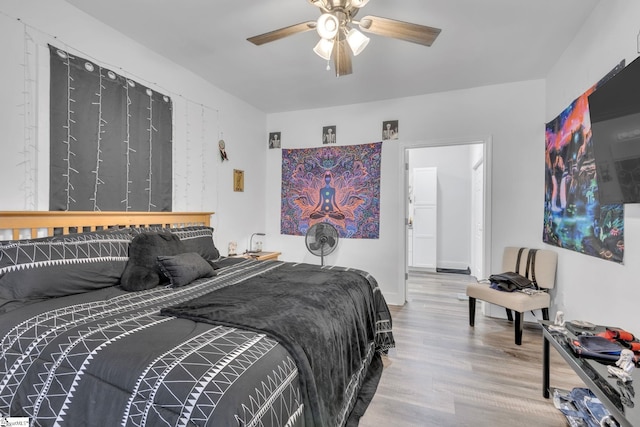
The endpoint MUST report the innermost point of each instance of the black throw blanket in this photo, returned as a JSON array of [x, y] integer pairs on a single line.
[[325, 318]]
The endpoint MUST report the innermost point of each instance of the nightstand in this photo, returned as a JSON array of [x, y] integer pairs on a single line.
[[264, 256]]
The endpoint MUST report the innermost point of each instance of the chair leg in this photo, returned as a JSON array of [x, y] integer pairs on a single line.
[[509, 315], [545, 313], [518, 327], [472, 311]]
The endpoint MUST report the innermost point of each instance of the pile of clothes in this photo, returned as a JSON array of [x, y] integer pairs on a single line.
[[582, 408]]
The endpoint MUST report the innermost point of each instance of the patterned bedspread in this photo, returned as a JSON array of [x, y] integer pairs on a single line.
[[108, 357]]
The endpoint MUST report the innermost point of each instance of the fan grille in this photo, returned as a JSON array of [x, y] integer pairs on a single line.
[[321, 239]]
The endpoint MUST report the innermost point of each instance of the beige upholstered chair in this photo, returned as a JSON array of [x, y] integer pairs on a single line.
[[545, 276]]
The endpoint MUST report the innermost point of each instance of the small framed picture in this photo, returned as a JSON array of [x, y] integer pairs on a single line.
[[328, 134], [390, 129], [274, 139], [238, 180]]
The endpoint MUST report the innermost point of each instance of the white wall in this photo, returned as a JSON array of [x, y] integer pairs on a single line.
[[202, 114], [589, 288], [454, 201], [510, 115]]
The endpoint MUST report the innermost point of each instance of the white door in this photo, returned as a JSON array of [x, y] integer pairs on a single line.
[[425, 218]]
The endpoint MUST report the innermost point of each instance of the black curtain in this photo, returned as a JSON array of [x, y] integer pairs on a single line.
[[110, 140]]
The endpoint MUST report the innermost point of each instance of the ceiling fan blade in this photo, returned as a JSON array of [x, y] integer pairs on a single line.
[[342, 58], [282, 33], [414, 33]]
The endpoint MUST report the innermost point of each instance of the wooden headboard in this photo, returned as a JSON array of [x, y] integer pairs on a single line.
[[61, 221]]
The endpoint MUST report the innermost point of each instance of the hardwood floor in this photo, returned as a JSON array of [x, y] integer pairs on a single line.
[[445, 373]]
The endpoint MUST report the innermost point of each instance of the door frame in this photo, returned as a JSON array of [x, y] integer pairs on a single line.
[[476, 261], [403, 197]]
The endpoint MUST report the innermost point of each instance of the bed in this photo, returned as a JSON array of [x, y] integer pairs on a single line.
[[134, 319]]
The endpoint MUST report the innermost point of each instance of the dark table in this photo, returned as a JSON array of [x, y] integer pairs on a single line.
[[619, 398]]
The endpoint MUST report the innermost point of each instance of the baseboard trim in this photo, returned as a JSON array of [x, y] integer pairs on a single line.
[[454, 270]]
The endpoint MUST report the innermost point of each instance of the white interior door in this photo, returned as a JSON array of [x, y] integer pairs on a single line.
[[425, 217]]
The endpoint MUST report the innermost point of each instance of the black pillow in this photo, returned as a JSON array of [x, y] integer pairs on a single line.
[[70, 249], [49, 281], [35, 269], [183, 269], [197, 238], [142, 270]]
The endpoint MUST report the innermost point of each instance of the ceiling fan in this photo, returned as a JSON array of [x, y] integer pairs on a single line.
[[338, 36]]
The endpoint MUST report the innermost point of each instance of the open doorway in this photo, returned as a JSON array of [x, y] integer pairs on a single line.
[[461, 206]]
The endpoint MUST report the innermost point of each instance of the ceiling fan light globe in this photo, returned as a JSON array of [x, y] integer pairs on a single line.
[[327, 26], [357, 41], [359, 3], [324, 48]]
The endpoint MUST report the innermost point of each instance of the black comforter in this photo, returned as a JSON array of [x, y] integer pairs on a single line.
[[108, 357], [325, 318]]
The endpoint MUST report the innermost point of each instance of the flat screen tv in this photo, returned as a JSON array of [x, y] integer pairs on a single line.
[[614, 108]]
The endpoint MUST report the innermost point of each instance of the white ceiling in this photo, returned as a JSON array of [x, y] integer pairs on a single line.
[[482, 42]]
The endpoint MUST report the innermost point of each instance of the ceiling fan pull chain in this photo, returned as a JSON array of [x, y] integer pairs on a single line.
[[329, 65]]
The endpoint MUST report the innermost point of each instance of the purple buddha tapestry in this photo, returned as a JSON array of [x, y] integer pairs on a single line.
[[336, 184]]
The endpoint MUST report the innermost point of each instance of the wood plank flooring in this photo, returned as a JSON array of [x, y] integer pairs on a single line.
[[445, 373]]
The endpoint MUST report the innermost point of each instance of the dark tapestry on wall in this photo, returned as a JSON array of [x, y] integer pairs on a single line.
[[110, 140], [574, 218], [335, 184]]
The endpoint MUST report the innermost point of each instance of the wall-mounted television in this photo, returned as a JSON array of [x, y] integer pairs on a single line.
[[614, 108]]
